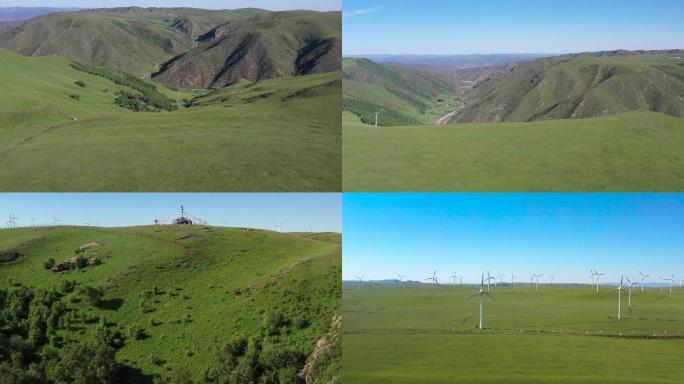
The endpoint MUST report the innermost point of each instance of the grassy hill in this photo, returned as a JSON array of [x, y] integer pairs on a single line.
[[283, 135], [133, 39], [273, 45], [579, 86], [556, 335], [404, 95], [639, 151], [180, 295]]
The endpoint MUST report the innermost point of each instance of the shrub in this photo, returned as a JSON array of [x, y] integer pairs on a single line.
[[81, 262], [92, 295], [80, 83], [137, 332], [68, 286], [75, 97], [49, 264]]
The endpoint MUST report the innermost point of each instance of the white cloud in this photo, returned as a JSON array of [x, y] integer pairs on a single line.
[[363, 11]]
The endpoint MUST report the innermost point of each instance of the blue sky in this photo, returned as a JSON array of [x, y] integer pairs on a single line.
[[505, 26], [322, 5], [468, 234], [297, 212]]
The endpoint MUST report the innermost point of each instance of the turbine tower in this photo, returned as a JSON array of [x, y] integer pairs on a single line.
[[629, 294], [513, 279], [501, 276], [643, 277], [489, 279], [401, 279], [620, 298], [12, 222], [455, 276], [552, 276]]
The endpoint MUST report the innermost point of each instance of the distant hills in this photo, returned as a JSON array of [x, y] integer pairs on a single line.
[[187, 47], [560, 87], [266, 46], [11, 17], [454, 62]]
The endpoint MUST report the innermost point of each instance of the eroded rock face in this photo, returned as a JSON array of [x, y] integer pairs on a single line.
[[328, 345]]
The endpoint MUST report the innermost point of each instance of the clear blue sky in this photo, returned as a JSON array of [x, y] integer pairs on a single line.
[[561, 234], [277, 5], [296, 212], [505, 26]]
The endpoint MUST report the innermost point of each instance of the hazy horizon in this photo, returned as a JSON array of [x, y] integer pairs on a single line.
[[500, 26], [274, 5], [468, 234]]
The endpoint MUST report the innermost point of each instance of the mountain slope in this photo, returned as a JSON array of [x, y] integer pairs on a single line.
[[276, 135], [273, 45], [404, 95], [191, 291], [132, 39], [579, 86]]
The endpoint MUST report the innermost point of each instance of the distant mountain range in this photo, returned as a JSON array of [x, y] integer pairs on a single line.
[[452, 62], [187, 47], [11, 17], [525, 89]]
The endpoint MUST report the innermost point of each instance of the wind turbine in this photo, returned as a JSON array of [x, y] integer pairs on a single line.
[[620, 298], [434, 280], [512, 279], [460, 280], [531, 280], [552, 276], [593, 278], [376, 116], [631, 284], [537, 277], [482, 295], [12, 222], [501, 276], [643, 277], [489, 279], [56, 221], [597, 279], [671, 280], [33, 221], [454, 276], [401, 279], [360, 278]]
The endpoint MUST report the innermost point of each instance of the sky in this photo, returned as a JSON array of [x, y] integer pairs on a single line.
[[297, 212], [276, 5], [521, 234], [505, 26]]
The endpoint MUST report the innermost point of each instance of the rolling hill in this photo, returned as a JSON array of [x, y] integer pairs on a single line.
[[405, 96], [211, 304], [273, 45], [637, 151], [579, 86], [62, 131]]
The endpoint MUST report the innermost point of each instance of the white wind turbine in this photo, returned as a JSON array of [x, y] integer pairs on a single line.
[[531, 280], [33, 221], [454, 276], [620, 298], [401, 279], [360, 279], [552, 276], [597, 274], [643, 277], [513, 279], [501, 276], [433, 279], [489, 279], [55, 221], [629, 295], [593, 278], [671, 280], [537, 282], [12, 222], [460, 280]]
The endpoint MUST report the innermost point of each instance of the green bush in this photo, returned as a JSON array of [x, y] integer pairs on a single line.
[[80, 83], [49, 264]]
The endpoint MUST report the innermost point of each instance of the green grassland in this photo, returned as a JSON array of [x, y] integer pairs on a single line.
[[190, 288], [276, 135], [555, 335], [578, 87], [404, 96], [639, 151]]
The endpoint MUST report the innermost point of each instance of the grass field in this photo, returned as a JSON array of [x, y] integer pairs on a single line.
[[279, 135], [565, 334], [202, 286], [640, 151]]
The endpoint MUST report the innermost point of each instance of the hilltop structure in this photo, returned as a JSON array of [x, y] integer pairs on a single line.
[[181, 218]]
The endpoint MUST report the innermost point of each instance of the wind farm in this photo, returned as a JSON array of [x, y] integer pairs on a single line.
[[421, 326], [534, 305]]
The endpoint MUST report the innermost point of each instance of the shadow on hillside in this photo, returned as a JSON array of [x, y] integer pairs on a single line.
[[132, 375], [111, 305]]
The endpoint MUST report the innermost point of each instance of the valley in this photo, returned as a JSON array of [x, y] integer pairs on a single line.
[[134, 120], [605, 121]]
